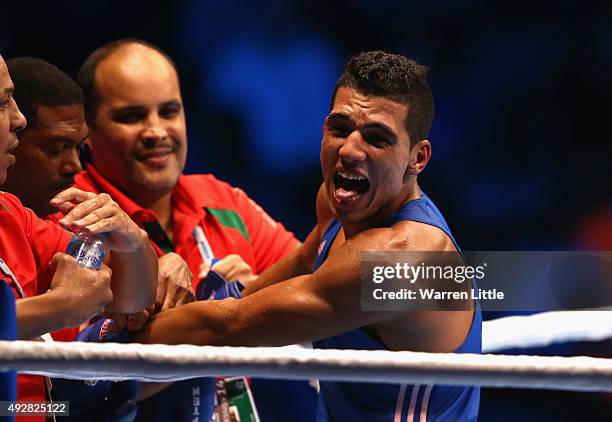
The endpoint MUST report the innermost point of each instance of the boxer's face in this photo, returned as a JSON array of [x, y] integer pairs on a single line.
[[11, 121], [364, 155], [139, 141], [48, 156]]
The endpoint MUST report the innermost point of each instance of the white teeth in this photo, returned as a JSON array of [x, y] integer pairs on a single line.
[[351, 176]]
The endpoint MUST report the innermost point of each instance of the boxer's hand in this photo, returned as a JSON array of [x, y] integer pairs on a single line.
[[231, 268], [85, 292], [133, 322], [97, 214], [174, 286]]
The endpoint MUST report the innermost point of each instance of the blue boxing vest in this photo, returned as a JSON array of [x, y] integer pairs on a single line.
[[350, 401]]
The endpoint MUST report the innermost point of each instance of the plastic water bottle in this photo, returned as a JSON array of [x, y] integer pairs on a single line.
[[89, 251]]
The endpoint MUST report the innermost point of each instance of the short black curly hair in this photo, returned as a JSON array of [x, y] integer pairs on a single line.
[[397, 78], [37, 83]]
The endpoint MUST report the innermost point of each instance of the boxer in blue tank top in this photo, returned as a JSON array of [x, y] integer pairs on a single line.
[[387, 402], [374, 146]]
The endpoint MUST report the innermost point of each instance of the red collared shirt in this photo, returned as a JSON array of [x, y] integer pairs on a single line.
[[231, 221], [27, 245]]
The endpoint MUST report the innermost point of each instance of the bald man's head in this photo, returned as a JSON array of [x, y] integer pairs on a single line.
[[87, 73], [138, 136]]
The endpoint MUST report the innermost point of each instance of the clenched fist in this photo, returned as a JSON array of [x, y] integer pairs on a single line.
[[85, 291]]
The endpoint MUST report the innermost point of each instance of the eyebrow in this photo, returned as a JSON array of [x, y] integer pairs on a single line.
[[343, 117], [139, 107], [60, 139], [127, 108], [382, 127], [336, 115]]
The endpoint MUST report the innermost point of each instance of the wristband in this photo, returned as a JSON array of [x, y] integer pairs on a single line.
[[232, 290], [102, 331], [215, 287]]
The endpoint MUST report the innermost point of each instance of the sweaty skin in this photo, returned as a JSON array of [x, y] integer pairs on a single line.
[[318, 305], [364, 137]]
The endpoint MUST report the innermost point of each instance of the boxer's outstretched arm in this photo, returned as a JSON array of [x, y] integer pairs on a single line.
[[308, 307]]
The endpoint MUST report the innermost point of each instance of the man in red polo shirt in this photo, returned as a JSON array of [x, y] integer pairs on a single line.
[[138, 141], [47, 161], [54, 292]]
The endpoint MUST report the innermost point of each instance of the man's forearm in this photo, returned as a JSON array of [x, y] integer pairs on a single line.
[[282, 314], [198, 323], [231, 322], [134, 280], [41, 314]]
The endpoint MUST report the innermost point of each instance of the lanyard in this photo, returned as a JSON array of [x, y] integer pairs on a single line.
[[14, 282], [241, 396], [203, 245]]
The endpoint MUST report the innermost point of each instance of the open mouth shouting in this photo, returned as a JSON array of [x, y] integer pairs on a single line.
[[349, 186]]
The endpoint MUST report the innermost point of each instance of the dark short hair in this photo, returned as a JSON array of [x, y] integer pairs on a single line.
[[395, 77], [87, 73], [37, 83]]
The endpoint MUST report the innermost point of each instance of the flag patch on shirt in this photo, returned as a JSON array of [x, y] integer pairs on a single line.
[[230, 218]]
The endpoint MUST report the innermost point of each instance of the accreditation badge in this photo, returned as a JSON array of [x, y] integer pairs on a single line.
[[234, 401]]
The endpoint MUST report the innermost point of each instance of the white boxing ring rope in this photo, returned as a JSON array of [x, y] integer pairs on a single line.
[[165, 363], [157, 362], [545, 328]]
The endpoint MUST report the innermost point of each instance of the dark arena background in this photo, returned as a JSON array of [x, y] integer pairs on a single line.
[[521, 136]]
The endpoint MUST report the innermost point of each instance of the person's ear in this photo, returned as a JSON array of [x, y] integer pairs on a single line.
[[419, 156]]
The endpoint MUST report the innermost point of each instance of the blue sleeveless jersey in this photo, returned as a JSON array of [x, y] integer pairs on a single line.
[[348, 401]]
